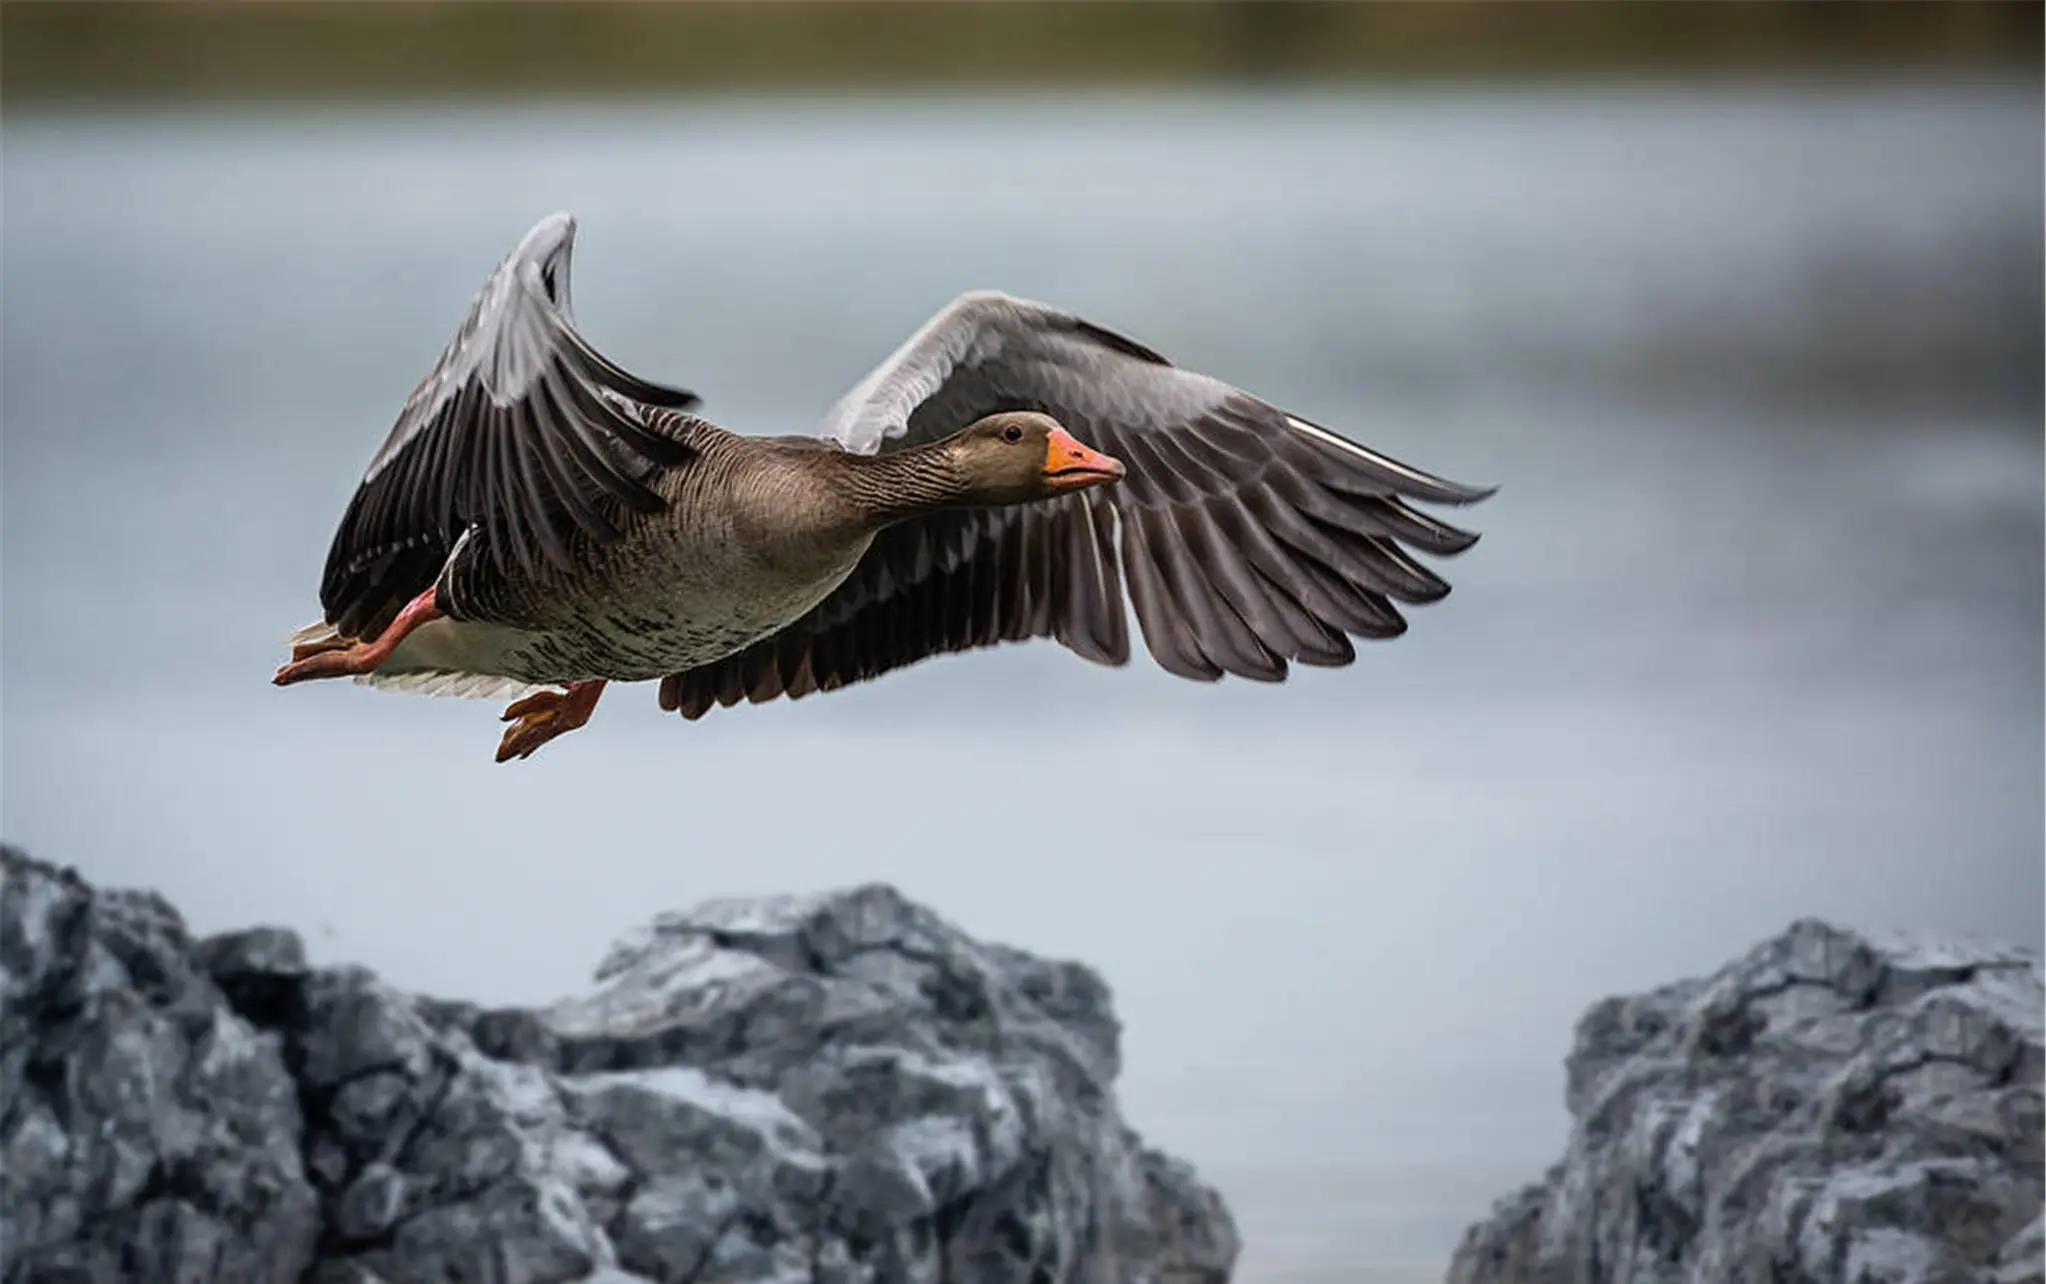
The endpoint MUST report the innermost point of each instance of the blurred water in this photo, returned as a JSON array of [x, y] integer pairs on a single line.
[[1755, 631]]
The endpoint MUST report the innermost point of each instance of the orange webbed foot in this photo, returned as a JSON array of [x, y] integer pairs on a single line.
[[544, 715]]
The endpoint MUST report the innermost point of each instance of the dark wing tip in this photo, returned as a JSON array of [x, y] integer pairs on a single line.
[[1440, 539], [1465, 494], [649, 393], [1382, 469], [1432, 489]]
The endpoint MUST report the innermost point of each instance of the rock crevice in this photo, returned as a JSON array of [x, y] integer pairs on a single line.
[[833, 1089]]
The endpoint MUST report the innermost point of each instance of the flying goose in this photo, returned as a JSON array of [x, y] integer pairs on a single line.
[[540, 522]]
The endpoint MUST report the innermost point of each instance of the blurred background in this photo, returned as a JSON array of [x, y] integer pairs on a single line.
[[1739, 302]]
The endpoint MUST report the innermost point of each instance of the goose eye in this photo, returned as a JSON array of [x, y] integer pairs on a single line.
[[1013, 433]]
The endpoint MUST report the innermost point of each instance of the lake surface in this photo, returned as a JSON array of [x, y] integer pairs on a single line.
[[1754, 633]]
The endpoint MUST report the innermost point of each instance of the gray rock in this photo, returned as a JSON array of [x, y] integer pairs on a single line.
[[1830, 1107], [147, 1132], [1200, 1240], [835, 1089]]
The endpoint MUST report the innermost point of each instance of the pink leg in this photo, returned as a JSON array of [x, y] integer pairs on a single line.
[[363, 657], [540, 717]]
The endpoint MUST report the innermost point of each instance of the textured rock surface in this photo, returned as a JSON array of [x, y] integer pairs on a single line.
[[1827, 1108], [146, 1130], [840, 1089]]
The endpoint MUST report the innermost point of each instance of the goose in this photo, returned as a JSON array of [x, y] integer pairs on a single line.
[[540, 523]]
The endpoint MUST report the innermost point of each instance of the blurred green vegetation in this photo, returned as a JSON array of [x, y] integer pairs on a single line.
[[83, 51]]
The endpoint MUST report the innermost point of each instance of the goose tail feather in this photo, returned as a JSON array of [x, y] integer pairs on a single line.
[[317, 631], [451, 683]]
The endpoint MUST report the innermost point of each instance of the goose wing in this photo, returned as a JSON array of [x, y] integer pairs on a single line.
[[521, 431], [1248, 537]]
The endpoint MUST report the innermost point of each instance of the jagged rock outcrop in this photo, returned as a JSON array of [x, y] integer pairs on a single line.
[[837, 1089], [1829, 1107], [146, 1131]]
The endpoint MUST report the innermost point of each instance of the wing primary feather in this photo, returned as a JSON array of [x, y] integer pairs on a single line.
[[1111, 615], [1034, 532], [1402, 478], [1148, 459], [1230, 443], [1368, 516], [544, 501], [1074, 549], [1321, 566], [730, 682], [560, 446], [1221, 632], [804, 681], [991, 586], [1319, 642], [657, 448], [959, 603], [1026, 601], [1392, 571], [476, 495], [1421, 530], [460, 457], [598, 368], [1232, 578], [699, 699], [1166, 633], [1191, 455], [597, 460], [515, 507], [1310, 540], [1357, 610]]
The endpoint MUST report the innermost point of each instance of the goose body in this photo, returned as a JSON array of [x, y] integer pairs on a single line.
[[539, 518], [747, 541]]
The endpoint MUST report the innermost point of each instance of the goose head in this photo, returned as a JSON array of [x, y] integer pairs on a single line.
[[1018, 456]]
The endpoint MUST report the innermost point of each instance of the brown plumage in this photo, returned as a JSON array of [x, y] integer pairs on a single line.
[[539, 517]]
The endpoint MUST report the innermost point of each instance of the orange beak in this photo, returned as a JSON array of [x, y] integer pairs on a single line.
[[1068, 465]]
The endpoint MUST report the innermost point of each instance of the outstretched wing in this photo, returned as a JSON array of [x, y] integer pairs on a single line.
[[521, 430], [1249, 537]]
